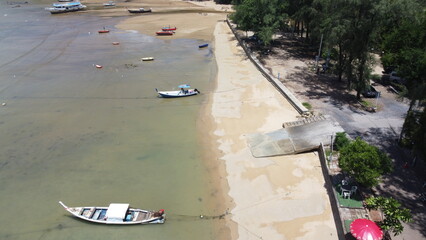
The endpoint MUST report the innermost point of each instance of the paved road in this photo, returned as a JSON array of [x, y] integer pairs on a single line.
[[382, 129]]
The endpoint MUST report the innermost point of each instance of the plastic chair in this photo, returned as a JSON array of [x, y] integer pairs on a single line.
[[353, 189], [346, 194]]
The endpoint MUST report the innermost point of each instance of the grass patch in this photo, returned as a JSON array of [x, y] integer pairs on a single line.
[[348, 225], [366, 103], [307, 105], [355, 201]]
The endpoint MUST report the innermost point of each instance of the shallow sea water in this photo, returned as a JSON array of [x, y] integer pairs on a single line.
[[89, 136]]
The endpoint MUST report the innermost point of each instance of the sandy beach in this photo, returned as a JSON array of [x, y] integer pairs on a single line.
[[274, 198]]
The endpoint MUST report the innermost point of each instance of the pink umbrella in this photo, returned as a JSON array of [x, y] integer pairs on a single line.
[[364, 229]]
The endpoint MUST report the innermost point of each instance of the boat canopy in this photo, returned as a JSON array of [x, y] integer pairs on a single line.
[[117, 211], [184, 86], [68, 4]]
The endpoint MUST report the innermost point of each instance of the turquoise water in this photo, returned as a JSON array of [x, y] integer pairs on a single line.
[[91, 136]]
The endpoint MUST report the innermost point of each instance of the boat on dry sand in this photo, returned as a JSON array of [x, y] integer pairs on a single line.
[[64, 7], [169, 28], [164, 33], [117, 213]]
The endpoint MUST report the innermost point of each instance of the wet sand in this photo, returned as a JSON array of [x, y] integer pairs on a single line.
[[272, 198]]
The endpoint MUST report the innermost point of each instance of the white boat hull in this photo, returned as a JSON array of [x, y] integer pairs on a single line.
[[131, 216], [176, 94], [59, 8]]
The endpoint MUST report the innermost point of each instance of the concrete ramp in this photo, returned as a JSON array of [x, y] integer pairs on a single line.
[[296, 137]]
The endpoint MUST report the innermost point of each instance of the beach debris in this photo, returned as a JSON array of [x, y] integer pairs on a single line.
[[130, 65], [3, 104], [115, 43]]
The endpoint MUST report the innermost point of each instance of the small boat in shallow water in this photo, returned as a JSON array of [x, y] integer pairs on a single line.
[[109, 4], [140, 10], [203, 45], [103, 31], [147, 59], [183, 92], [165, 33], [117, 213]]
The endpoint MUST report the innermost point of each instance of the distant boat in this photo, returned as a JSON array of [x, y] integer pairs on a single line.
[[109, 4], [183, 92], [103, 31], [115, 43], [140, 10], [165, 33], [147, 59], [117, 213], [98, 66], [169, 28], [65, 7], [203, 45]]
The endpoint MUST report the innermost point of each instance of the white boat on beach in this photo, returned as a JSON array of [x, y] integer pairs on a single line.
[[109, 4], [117, 213], [65, 7], [183, 92]]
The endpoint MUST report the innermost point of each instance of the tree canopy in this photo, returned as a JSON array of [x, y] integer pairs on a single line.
[[264, 17], [394, 214], [364, 162]]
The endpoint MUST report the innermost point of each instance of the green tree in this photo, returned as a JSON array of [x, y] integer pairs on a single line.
[[405, 47], [393, 213], [364, 162], [263, 17], [341, 140]]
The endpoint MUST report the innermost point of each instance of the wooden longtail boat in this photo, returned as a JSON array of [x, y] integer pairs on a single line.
[[117, 213]]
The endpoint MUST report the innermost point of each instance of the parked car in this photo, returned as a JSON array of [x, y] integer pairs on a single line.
[[388, 69], [370, 92], [395, 78]]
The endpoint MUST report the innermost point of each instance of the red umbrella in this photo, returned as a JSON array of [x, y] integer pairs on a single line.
[[364, 229]]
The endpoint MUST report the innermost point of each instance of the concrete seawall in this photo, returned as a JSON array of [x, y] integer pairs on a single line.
[[277, 83]]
